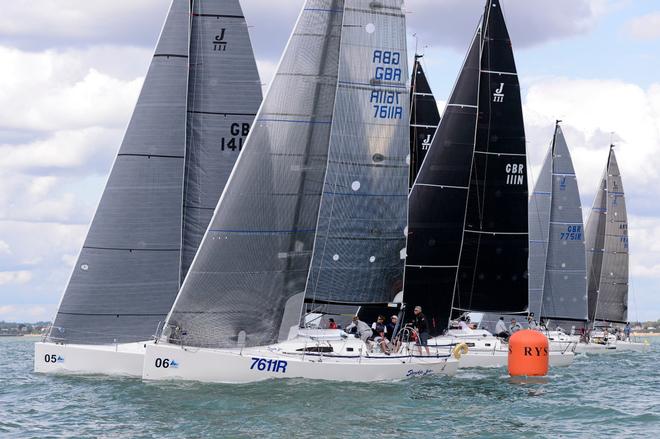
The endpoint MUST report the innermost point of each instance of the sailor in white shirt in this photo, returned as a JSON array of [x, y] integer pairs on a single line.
[[500, 328]]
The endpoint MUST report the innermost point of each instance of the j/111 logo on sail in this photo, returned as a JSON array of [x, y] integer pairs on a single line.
[[498, 96], [515, 174]]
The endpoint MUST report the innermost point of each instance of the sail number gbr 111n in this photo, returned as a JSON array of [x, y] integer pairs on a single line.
[[387, 104]]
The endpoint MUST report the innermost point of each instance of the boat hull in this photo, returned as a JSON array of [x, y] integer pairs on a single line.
[[235, 366], [610, 348], [125, 360], [485, 350]]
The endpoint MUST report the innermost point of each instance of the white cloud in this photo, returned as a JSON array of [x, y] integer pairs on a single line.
[[62, 22], [449, 22], [15, 277], [30, 313], [646, 27], [591, 110], [7, 309], [54, 90], [4, 248]]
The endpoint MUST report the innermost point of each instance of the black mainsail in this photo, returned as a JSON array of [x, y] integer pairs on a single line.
[[424, 118], [468, 232], [607, 249]]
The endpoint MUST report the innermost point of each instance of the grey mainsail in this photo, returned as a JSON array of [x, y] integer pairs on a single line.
[[557, 264], [607, 249], [319, 190], [224, 94], [360, 232], [126, 275]]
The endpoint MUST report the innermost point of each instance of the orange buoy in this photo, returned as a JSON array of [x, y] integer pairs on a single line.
[[528, 354]]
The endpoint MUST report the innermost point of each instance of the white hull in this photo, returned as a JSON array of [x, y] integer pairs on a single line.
[[486, 350], [611, 347], [164, 361], [115, 360]]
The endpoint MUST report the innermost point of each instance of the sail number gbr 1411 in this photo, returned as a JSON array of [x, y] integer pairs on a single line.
[[239, 132], [386, 104]]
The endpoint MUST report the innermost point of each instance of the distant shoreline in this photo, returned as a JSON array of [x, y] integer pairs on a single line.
[[646, 334]]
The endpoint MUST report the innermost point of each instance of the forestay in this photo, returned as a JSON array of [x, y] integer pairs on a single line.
[[127, 274], [467, 243], [256, 254], [224, 94], [607, 249]]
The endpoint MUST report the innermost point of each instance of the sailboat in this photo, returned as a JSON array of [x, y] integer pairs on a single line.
[[314, 213], [424, 118], [607, 263], [468, 227], [193, 114]]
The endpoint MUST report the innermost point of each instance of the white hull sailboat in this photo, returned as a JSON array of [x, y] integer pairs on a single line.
[[330, 357], [163, 187], [486, 350], [313, 214]]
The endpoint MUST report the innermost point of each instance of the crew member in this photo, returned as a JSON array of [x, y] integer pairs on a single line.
[[360, 329], [380, 331], [422, 327], [514, 327], [500, 329]]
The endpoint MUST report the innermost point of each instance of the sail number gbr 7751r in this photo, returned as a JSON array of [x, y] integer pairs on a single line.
[[387, 104]]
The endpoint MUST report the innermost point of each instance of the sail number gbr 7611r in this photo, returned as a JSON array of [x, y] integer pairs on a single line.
[[386, 104]]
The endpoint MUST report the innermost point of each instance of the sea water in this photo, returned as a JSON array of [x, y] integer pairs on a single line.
[[615, 395]]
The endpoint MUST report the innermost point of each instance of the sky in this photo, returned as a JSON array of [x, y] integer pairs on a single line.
[[71, 71]]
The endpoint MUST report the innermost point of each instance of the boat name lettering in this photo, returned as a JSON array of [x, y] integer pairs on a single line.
[[419, 373], [515, 174], [265, 365], [53, 358]]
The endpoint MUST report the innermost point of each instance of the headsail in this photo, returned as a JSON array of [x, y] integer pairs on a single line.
[[256, 253], [557, 265], [607, 249], [424, 118], [224, 94], [467, 241], [126, 276]]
